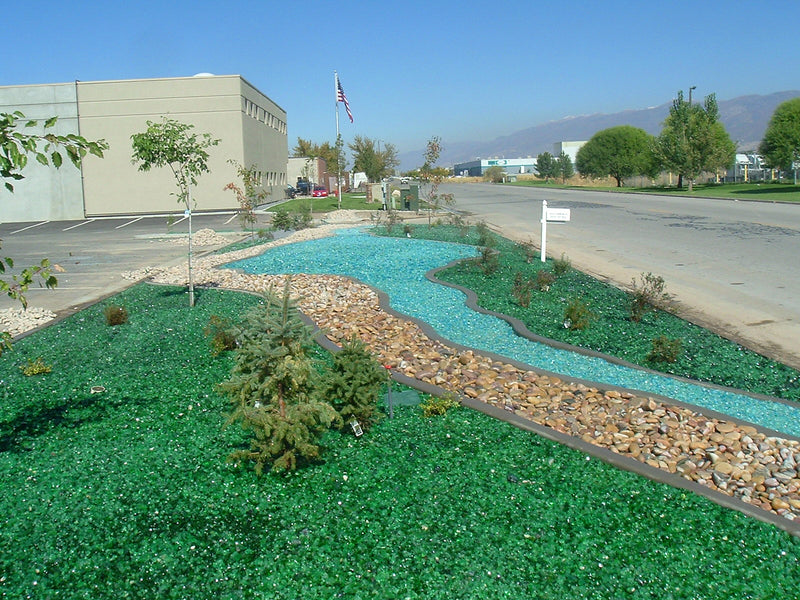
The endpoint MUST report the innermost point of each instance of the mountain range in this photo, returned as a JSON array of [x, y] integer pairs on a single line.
[[745, 118]]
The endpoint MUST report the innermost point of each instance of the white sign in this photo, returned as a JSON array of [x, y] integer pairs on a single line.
[[558, 214], [551, 214]]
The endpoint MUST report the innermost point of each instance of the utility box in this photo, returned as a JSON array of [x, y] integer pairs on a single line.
[[374, 193], [409, 197]]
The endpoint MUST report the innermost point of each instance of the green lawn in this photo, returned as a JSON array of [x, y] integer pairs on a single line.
[[350, 201], [127, 494]]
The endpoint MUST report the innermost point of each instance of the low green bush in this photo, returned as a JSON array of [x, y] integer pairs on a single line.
[[115, 315], [436, 406], [649, 293], [221, 334], [522, 289], [561, 266], [577, 315], [352, 384], [665, 350], [35, 367], [544, 279]]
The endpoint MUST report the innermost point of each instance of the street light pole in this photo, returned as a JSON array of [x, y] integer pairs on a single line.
[[694, 87]]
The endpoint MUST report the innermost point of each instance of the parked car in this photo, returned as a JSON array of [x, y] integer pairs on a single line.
[[290, 192], [319, 192], [303, 188]]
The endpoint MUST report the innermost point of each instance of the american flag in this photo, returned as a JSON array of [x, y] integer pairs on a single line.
[[340, 97]]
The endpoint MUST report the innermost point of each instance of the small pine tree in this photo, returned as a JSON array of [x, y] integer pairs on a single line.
[[271, 389], [353, 384]]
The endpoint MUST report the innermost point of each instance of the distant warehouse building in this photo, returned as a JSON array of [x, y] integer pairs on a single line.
[[568, 148], [250, 126], [512, 166]]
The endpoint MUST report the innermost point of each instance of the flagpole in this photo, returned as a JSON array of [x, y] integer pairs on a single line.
[[336, 142]]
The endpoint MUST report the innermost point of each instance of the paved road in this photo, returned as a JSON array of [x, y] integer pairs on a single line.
[[733, 266], [94, 252]]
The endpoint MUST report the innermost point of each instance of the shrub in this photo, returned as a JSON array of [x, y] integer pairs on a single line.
[[222, 334], [577, 315], [265, 234], [284, 220], [457, 220], [544, 279], [436, 406], [561, 266], [393, 218], [35, 367], [5, 341], [485, 235], [115, 314], [489, 260], [281, 219], [528, 249], [521, 289], [353, 384], [271, 388], [649, 294], [302, 218], [665, 350]]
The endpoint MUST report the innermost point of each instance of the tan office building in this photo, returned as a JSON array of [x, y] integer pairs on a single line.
[[251, 129]]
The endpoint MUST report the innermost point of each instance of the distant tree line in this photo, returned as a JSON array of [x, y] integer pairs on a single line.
[[692, 141], [373, 157]]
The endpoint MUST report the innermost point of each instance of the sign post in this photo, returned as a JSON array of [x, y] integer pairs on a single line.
[[556, 215]]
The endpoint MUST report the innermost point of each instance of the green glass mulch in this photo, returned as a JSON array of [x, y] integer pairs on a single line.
[[126, 493], [705, 356]]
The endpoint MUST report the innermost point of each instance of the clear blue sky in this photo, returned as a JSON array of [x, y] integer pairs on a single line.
[[462, 70]]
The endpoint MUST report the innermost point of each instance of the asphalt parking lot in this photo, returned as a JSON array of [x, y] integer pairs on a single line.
[[91, 254]]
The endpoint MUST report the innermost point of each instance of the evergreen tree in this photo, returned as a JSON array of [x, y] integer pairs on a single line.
[[546, 166], [271, 389], [353, 384], [564, 166]]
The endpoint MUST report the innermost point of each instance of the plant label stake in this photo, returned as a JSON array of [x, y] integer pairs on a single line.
[[389, 393], [356, 428]]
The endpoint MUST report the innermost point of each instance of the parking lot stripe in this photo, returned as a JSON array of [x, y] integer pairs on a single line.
[[78, 225], [231, 219], [29, 227], [128, 223]]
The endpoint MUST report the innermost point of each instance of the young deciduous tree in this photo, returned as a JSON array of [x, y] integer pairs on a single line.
[[170, 143], [618, 152], [332, 155], [431, 178], [781, 143], [250, 195], [271, 388], [21, 138], [368, 158], [693, 140]]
